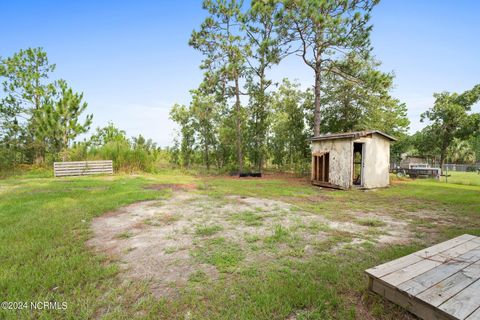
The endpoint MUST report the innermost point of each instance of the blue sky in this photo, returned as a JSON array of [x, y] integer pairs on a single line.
[[132, 60]]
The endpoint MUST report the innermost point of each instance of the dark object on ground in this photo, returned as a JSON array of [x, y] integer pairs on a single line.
[[250, 174]]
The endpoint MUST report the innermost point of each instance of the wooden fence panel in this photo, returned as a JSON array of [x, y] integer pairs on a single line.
[[82, 168]]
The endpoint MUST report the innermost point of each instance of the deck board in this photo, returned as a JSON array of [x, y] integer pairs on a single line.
[[465, 302], [439, 282], [451, 286], [475, 315], [389, 267], [413, 270]]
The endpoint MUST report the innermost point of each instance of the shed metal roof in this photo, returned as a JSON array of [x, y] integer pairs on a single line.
[[351, 135]]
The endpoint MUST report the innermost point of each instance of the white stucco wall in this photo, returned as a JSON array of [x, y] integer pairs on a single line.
[[376, 160], [341, 157]]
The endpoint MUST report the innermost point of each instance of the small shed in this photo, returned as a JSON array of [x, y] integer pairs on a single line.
[[351, 159]]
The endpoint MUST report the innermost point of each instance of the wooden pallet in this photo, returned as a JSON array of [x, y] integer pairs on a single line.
[[439, 282]]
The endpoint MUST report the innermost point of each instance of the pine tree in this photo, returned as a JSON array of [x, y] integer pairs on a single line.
[[26, 89], [221, 42], [325, 31], [58, 121], [265, 50]]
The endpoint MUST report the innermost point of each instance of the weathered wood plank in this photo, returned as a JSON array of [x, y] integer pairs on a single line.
[[433, 250], [410, 303], [426, 280], [323, 169], [475, 315], [410, 271], [80, 168], [457, 250], [450, 286], [85, 169], [89, 161], [465, 302], [413, 270], [82, 173], [445, 282], [84, 166], [313, 168], [326, 184], [392, 266]]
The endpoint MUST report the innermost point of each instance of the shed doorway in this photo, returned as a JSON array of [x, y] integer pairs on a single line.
[[320, 168], [358, 163]]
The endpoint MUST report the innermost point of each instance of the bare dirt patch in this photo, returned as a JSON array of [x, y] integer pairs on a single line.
[[193, 236]]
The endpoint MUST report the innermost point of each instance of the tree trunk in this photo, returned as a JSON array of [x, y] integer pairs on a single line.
[[238, 125], [38, 148], [261, 114], [39, 159], [260, 161], [207, 161], [316, 115], [318, 78], [443, 155], [65, 145]]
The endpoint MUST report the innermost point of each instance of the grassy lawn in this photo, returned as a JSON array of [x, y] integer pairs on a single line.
[[45, 224], [468, 178]]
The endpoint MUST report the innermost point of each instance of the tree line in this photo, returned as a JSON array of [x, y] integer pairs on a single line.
[[453, 130], [41, 120], [38, 116], [239, 119]]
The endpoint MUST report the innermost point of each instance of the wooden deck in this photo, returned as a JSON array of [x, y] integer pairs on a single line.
[[439, 282]]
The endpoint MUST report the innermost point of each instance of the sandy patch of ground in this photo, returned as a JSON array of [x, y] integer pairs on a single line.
[[189, 235]]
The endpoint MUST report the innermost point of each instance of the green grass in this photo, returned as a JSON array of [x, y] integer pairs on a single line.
[[280, 234], [124, 235], [198, 276], [249, 218], [467, 178], [223, 254], [207, 230], [370, 222], [45, 224]]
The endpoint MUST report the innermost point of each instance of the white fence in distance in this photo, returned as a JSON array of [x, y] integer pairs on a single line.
[[461, 167], [82, 168], [473, 167]]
